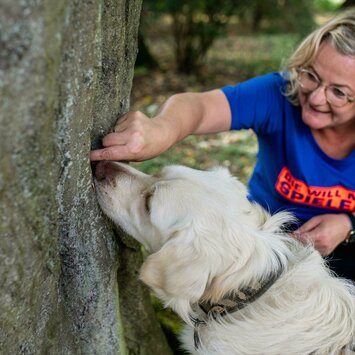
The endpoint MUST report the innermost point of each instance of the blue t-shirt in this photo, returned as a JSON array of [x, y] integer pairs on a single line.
[[292, 172]]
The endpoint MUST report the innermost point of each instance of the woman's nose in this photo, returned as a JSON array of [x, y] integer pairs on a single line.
[[318, 96]]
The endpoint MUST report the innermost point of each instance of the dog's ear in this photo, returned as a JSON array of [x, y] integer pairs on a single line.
[[177, 274]]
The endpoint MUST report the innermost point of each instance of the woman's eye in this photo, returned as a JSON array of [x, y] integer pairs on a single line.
[[338, 93], [312, 77]]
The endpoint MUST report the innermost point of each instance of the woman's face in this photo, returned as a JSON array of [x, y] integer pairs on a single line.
[[333, 69]]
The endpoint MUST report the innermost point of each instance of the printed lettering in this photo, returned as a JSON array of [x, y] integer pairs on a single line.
[[288, 177], [297, 186], [345, 204], [329, 204], [296, 196], [332, 197], [285, 188], [318, 201]]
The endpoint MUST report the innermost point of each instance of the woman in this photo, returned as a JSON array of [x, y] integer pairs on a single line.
[[305, 123]]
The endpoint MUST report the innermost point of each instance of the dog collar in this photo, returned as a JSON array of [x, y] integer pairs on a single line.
[[238, 299], [231, 303]]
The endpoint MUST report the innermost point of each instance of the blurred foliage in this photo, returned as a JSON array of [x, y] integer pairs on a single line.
[[278, 15], [328, 5], [145, 58], [231, 58], [193, 26], [236, 151]]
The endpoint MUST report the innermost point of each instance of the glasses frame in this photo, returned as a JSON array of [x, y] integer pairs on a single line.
[[319, 84]]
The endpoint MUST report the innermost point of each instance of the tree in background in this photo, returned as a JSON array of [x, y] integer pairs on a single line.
[[291, 16], [348, 3], [195, 25]]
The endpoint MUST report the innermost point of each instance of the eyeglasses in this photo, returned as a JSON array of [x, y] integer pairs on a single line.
[[310, 82]]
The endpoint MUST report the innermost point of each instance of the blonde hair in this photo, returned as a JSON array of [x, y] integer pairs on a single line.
[[339, 32]]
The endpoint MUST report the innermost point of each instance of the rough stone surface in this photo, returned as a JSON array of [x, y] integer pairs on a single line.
[[66, 69]]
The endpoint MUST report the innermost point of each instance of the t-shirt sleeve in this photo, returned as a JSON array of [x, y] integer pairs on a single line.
[[257, 103]]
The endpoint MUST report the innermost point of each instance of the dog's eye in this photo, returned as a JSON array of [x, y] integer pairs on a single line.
[[147, 199]]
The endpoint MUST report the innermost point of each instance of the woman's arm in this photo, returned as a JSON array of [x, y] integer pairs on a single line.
[[137, 137]]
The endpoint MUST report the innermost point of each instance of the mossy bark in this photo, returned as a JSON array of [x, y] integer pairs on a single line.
[[66, 69]]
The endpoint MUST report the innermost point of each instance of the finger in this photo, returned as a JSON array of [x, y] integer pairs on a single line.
[[117, 152], [122, 124], [302, 237], [100, 154], [305, 233], [308, 226], [307, 238], [128, 119], [114, 138]]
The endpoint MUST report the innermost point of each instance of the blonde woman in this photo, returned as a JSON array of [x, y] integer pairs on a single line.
[[304, 119]]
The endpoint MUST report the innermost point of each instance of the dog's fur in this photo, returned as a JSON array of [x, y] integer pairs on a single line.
[[207, 240]]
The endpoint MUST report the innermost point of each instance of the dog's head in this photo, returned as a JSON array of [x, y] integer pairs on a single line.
[[192, 222]]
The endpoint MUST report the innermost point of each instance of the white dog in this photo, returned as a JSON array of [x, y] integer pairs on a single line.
[[240, 283]]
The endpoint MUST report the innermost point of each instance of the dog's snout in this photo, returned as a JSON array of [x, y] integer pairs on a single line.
[[106, 170]]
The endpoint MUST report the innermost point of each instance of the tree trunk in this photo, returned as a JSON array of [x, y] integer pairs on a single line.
[[66, 69]]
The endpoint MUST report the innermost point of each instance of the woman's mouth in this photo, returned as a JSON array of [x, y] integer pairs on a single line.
[[318, 110]]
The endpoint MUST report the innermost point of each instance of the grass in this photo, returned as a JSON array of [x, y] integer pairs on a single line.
[[236, 151]]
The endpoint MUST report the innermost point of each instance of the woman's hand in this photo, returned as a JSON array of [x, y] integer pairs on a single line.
[[135, 137], [325, 232]]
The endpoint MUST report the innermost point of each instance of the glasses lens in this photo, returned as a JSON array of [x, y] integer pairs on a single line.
[[308, 81], [336, 97]]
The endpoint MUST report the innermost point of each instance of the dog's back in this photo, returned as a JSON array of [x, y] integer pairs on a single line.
[[306, 311]]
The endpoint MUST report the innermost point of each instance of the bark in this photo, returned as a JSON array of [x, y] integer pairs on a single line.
[[66, 69]]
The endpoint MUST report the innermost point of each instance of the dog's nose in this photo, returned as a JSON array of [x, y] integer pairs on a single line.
[[106, 170]]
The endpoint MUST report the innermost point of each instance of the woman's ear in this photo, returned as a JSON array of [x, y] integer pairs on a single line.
[[178, 275]]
